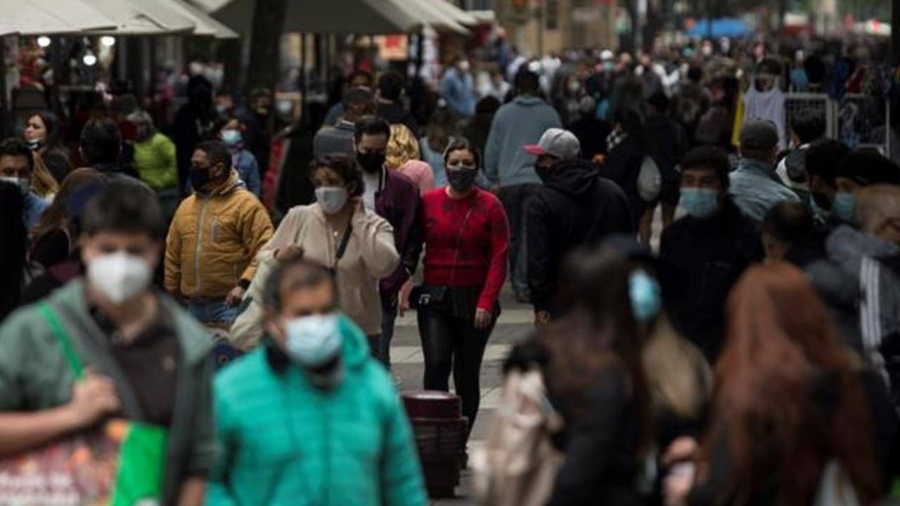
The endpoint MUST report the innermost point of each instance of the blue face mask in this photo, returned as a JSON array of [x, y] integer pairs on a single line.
[[699, 202], [646, 299], [313, 341], [232, 137], [844, 206]]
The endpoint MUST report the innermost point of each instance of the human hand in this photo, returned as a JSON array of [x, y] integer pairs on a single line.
[[678, 483], [289, 252], [234, 297], [683, 448], [92, 398], [541, 318], [483, 319]]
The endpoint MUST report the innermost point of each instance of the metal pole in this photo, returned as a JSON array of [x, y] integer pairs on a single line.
[[541, 23]]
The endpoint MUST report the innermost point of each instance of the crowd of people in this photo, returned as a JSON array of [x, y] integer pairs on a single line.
[[743, 358]]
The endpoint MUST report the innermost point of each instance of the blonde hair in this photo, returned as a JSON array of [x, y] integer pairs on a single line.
[[42, 181], [402, 147]]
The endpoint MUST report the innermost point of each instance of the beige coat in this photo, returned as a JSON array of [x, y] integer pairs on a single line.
[[369, 257]]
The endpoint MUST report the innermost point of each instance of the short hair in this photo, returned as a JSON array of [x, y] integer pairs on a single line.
[[101, 141], [217, 152], [260, 92], [358, 97], [345, 166], [488, 105], [14, 146], [876, 203], [361, 73], [402, 146], [391, 85], [124, 207], [372, 125], [463, 144], [788, 222], [868, 167], [695, 73], [659, 101], [141, 117], [823, 159], [301, 273], [711, 158], [808, 125], [527, 81]]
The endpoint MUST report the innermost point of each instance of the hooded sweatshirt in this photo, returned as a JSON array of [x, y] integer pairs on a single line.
[[576, 207], [285, 442], [517, 124], [847, 247]]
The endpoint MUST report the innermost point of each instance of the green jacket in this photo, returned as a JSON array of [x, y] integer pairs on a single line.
[[285, 442], [35, 375], [155, 161]]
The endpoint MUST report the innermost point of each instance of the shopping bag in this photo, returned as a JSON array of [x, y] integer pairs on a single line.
[[118, 463]]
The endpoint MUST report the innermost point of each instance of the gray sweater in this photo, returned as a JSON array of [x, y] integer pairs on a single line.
[[518, 123]]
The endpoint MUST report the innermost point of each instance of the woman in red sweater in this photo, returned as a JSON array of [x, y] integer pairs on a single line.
[[466, 247]]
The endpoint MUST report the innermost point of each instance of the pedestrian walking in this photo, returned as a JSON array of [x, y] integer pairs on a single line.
[[338, 139], [458, 88], [517, 124], [404, 155], [17, 168], [466, 251], [14, 254], [754, 185], [310, 415], [214, 238], [156, 161], [43, 133], [231, 132]]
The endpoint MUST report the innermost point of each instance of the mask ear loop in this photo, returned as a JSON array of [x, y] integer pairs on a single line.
[[645, 295]]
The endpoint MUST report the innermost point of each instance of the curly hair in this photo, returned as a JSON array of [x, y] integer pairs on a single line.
[[402, 147]]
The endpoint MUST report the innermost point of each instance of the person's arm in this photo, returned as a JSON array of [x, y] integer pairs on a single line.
[[192, 493], [401, 475], [492, 152], [540, 262], [375, 238], [218, 489], [285, 235], [415, 237], [202, 453], [499, 244], [254, 184], [172, 278], [169, 160], [591, 448], [256, 229]]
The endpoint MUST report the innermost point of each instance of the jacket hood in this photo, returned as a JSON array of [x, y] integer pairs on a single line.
[[573, 177], [355, 348], [847, 246], [232, 184], [528, 101]]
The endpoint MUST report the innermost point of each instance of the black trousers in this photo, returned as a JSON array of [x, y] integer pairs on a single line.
[[452, 343]]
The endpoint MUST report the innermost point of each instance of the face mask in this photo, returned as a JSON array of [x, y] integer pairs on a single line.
[[23, 183], [232, 137], [263, 110], [844, 206], [313, 341], [609, 66], [645, 296], [461, 180], [35, 144], [699, 202], [119, 276], [544, 171], [199, 178], [221, 109], [371, 162], [332, 198], [464, 66], [574, 87]]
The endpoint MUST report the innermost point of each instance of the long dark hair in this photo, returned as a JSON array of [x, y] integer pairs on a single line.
[[14, 238], [788, 396], [53, 126], [598, 334], [53, 216]]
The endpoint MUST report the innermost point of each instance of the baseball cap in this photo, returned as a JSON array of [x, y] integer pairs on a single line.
[[759, 135], [556, 142]]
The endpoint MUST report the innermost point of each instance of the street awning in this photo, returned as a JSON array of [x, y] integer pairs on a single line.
[[486, 16], [204, 24], [142, 17], [361, 17], [431, 13], [50, 17], [460, 16]]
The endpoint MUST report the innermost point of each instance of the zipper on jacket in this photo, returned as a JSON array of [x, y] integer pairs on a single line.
[[199, 243]]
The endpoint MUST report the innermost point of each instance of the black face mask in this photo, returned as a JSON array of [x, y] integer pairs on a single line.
[[462, 180], [371, 162], [200, 177]]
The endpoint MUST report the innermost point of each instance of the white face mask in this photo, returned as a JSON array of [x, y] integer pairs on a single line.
[[119, 276], [313, 341], [332, 198], [23, 183]]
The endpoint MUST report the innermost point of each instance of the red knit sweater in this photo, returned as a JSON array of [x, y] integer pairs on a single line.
[[466, 242]]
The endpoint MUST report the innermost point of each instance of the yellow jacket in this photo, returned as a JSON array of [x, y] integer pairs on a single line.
[[213, 241]]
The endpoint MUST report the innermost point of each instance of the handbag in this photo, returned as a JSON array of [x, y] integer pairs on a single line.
[[431, 297], [117, 463], [518, 464]]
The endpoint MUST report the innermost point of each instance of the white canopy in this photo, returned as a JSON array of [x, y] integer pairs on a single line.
[[204, 24], [142, 17], [431, 13], [48, 17], [362, 17], [454, 12]]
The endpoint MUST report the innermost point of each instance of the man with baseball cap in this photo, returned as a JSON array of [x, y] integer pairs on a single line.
[[754, 186], [575, 207]]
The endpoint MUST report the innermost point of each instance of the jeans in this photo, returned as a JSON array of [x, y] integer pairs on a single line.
[[451, 343], [212, 311], [383, 353], [515, 200]]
